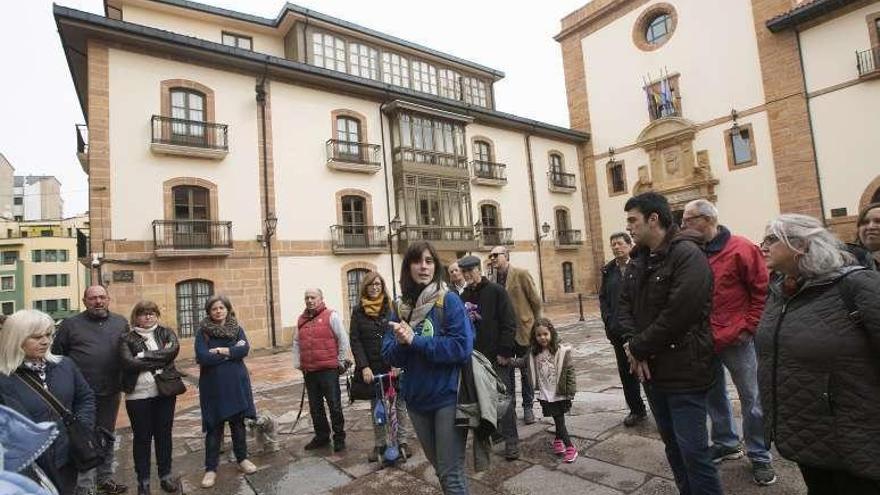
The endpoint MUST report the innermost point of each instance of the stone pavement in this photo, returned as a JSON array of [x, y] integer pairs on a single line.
[[613, 459]]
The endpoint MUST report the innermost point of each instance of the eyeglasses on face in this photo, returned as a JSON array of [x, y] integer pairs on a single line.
[[769, 240], [375, 284]]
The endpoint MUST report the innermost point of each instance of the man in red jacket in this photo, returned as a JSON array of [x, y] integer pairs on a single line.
[[737, 303]]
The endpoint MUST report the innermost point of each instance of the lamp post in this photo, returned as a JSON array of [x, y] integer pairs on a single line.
[[545, 231], [270, 224], [393, 231]]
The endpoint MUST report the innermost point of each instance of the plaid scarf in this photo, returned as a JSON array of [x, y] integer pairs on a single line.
[[37, 368]]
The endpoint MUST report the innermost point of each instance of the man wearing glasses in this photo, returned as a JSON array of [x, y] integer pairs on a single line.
[[738, 297], [527, 308]]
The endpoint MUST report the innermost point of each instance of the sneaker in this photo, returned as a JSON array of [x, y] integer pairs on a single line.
[[558, 447], [317, 443], [110, 487], [633, 419], [143, 488], [209, 479], [763, 473], [511, 453], [571, 453], [338, 445], [528, 416], [169, 484], [375, 454], [404, 451], [247, 467], [721, 453]]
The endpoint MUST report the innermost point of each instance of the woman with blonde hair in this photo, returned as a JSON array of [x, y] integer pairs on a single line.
[[26, 362]]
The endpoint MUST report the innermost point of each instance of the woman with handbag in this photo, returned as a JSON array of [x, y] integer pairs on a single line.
[[225, 394], [151, 384], [47, 387], [369, 321]]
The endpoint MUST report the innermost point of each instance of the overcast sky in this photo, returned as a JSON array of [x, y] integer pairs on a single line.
[[38, 105]]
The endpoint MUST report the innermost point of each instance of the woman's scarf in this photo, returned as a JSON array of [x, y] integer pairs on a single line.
[[373, 307], [416, 313], [152, 344], [227, 330], [37, 367]]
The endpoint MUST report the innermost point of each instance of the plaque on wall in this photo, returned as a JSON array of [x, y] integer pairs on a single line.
[[123, 275]]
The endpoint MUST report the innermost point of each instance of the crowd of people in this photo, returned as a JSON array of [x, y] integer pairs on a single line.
[[794, 322]]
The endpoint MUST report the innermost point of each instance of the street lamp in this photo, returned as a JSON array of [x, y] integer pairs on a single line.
[[545, 229], [393, 231], [270, 224]]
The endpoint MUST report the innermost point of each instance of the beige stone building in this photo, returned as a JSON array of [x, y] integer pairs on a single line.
[[763, 106], [353, 144]]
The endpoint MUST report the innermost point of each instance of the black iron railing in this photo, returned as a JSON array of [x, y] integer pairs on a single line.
[[429, 157], [348, 151], [489, 170], [358, 237], [82, 139], [568, 237], [496, 236], [561, 179], [192, 234], [435, 233], [193, 133], [868, 61]]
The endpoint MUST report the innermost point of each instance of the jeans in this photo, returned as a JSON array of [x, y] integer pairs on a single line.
[[443, 443], [380, 439], [324, 385], [833, 482], [214, 437], [528, 393], [151, 422], [631, 390], [742, 363], [681, 421], [106, 410], [508, 421]]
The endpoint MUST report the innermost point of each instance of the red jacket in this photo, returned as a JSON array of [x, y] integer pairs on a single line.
[[318, 349], [740, 286]]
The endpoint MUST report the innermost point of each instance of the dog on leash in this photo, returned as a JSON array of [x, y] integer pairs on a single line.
[[264, 431]]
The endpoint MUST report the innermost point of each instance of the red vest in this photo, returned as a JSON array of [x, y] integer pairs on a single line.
[[318, 349]]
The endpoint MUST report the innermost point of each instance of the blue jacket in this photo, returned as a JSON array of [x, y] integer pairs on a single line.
[[432, 364], [67, 384], [224, 382]]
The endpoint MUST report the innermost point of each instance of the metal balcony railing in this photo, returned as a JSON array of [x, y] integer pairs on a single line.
[[561, 179], [192, 234], [568, 238], [868, 61], [489, 170], [496, 236], [193, 133], [348, 151], [354, 237]]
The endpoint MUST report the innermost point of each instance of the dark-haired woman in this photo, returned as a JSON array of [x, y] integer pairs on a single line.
[[430, 339], [225, 394]]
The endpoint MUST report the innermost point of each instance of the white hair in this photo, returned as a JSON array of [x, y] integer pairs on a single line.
[[16, 329], [820, 251], [703, 207]]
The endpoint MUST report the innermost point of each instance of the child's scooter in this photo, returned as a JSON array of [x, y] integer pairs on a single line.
[[385, 415]]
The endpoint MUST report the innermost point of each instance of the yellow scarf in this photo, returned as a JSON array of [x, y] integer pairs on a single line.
[[372, 307]]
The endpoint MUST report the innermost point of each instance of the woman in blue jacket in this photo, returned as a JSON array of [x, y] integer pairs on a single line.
[[430, 339], [225, 394]]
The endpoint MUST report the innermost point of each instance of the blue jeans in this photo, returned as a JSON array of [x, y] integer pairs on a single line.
[[742, 363], [507, 424], [443, 443], [681, 421]]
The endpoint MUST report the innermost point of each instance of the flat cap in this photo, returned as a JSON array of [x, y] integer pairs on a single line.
[[468, 262]]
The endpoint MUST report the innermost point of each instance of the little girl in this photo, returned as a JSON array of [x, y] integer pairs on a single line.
[[553, 381]]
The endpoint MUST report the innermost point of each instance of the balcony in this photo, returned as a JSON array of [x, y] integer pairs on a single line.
[[489, 173], [561, 182], [495, 236], [358, 239], [868, 63], [191, 138], [186, 238], [568, 239], [82, 146], [443, 238], [435, 163], [354, 157]]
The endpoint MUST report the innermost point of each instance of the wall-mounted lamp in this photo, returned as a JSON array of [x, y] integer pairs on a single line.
[[545, 230], [734, 115]]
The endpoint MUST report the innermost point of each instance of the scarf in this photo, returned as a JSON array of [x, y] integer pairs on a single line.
[[149, 336], [416, 313], [373, 307], [227, 330], [38, 368]]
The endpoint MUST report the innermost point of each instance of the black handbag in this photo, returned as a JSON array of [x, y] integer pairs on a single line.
[[86, 446], [357, 388], [169, 383]]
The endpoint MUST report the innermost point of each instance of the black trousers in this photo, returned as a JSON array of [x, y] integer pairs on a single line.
[[833, 482], [214, 438], [324, 385], [630, 383], [65, 480], [151, 423]]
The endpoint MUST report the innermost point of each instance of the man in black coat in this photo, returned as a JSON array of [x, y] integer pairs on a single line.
[[609, 296], [491, 312], [664, 318]]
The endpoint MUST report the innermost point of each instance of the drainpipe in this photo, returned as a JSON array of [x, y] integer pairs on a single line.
[[261, 101], [535, 221], [387, 199], [797, 34]]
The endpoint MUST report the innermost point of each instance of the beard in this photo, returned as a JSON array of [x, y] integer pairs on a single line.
[[99, 313]]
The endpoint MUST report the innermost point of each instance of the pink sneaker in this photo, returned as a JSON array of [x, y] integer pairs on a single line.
[[571, 453], [558, 447]]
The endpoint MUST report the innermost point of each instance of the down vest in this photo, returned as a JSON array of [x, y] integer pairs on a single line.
[[819, 373]]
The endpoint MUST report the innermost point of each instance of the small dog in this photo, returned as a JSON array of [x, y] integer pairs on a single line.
[[264, 430]]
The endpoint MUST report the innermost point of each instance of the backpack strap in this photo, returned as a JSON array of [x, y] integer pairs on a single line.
[[848, 295]]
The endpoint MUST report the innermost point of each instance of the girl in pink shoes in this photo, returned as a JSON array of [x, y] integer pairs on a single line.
[[553, 379]]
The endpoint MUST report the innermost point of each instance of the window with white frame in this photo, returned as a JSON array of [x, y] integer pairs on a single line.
[[237, 40], [328, 52], [52, 305], [424, 77], [52, 280], [7, 282], [8, 307], [449, 84], [363, 61], [395, 69], [474, 91], [9, 257]]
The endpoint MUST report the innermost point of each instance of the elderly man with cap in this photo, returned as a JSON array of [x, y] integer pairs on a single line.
[[491, 312]]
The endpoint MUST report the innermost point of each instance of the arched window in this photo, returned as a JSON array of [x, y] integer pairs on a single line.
[[354, 220], [191, 217], [876, 197], [562, 221], [482, 151], [348, 133], [191, 298], [489, 216], [188, 112], [353, 285], [568, 276], [556, 164]]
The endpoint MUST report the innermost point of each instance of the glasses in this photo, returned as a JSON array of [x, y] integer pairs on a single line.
[[375, 284], [687, 220], [494, 255], [148, 315], [769, 240]]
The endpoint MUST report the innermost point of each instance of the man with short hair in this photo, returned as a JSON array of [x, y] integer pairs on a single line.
[[457, 282], [737, 304], [491, 312], [91, 339], [320, 351], [609, 295], [526, 303], [664, 319]]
